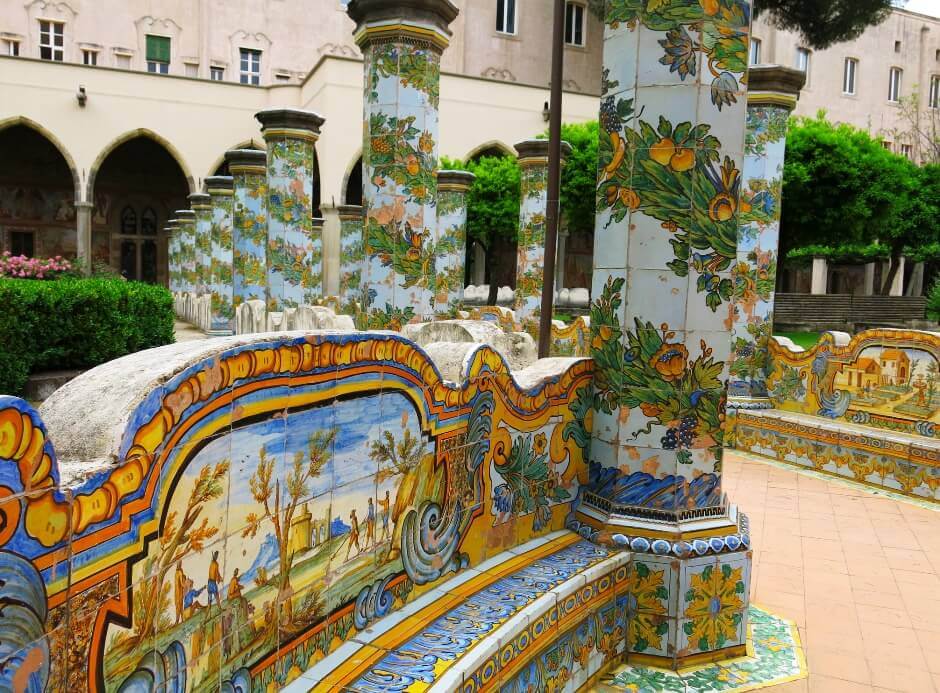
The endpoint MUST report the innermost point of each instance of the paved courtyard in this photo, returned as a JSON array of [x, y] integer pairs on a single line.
[[858, 571]]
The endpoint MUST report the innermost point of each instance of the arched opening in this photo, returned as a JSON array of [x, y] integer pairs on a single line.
[[135, 189], [37, 195], [352, 192]]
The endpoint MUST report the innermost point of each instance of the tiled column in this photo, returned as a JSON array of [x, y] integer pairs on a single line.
[[200, 204], [249, 224], [401, 44], [223, 314], [350, 257], [186, 218], [452, 187], [290, 135], [669, 175], [175, 274], [533, 209], [313, 272], [772, 95]]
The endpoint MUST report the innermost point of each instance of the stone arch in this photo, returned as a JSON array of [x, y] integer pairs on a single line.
[[353, 171], [491, 148], [66, 155], [127, 137]]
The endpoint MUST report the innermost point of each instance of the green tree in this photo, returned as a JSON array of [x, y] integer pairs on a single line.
[[579, 176], [841, 186], [820, 22], [492, 208]]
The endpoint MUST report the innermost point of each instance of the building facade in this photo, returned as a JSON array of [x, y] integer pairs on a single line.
[[866, 82], [113, 112]]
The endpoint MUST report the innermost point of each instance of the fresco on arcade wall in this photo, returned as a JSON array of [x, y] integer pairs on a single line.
[[308, 489], [883, 378]]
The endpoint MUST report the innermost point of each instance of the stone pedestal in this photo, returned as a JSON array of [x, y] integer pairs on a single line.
[[772, 95], [313, 286], [897, 285], [290, 135], [223, 313], [350, 257], [533, 209], [819, 281], [451, 241], [83, 215], [670, 156], [186, 220], [201, 205], [401, 42], [868, 288], [249, 225]]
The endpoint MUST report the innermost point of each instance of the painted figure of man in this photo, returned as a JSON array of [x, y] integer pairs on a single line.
[[179, 591], [353, 533], [370, 525], [386, 515], [215, 579]]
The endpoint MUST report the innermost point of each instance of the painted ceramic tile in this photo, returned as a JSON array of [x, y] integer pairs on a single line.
[[531, 246], [249, 238], [223, 312], [351, 257], [203, 248], [450, 249]]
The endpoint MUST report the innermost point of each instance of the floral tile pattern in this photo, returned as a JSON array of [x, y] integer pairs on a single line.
[[249, 236], [351, 257], [451, 247], [775, 655], [531, 246], [221, 263]]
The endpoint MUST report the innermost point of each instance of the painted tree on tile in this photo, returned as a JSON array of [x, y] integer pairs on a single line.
[[177, 541], [280, 503]]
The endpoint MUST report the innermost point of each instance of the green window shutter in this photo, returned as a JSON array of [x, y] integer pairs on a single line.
[[158, 48]]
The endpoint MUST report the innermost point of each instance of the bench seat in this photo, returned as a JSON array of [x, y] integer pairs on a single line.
[[901, 462], [492, 625]]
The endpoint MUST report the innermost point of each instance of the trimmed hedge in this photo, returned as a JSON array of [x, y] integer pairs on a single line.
[[76, 323]]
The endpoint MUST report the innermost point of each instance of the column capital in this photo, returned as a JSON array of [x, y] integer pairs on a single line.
[[456, 181], [247, 161], [774, 85], [414, 20], [318, 223], [349, 211], [291, 123], [200, 201], [219, 185], [184, 216], [535, 152]]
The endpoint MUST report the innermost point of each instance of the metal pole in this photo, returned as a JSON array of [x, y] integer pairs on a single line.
[[554, 180]]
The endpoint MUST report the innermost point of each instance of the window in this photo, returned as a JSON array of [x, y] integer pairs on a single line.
[[897, 46], [22, 243], [192, 69], [89, 57], [848, 76], [907, 150], [122, 60], [755, 52], [158, 54], [802, 60], [217, 73], [894, 84], [506, 16], [51, 40], [250, 68], [574, 24], [887, 145], [129, 221], [933, 96], [148, 222], [11, 48]]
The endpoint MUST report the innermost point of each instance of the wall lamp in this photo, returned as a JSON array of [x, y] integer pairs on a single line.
[[81, 95]]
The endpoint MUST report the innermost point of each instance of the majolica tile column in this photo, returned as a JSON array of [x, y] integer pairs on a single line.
[[351, 257], [669, 183], [772, 94], [202, 242], [533, 208], [290, 135], [174, 279], [401, 44], [186, 219], [313, 273], [451, 241], [223, 314], [249, 225]]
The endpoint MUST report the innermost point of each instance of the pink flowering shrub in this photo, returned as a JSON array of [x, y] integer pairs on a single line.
[[22, 267]]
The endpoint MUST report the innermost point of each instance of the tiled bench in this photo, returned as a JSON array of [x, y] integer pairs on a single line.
[[547, 615], [901, 462]]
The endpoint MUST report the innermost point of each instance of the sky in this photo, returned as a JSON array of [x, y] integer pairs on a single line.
[[931, 7]]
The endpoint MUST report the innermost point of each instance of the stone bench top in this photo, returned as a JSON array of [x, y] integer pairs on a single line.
[[844, 427], [450, 633]]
